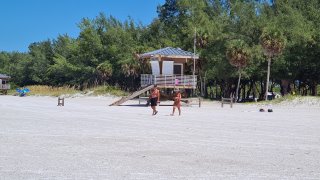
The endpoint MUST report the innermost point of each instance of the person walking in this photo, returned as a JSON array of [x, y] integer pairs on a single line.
[[176, 102], [154, 99]]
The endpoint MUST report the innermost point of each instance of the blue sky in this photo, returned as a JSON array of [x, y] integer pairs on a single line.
[[26, 21]]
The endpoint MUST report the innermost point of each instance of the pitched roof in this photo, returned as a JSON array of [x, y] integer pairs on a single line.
[[169, 52], [3, 76]]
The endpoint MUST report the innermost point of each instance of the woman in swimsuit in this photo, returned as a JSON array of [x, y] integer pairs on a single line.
[[177, 102]]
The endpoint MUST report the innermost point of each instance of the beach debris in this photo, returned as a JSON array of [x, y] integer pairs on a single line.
[[22, 92], [270, 108]]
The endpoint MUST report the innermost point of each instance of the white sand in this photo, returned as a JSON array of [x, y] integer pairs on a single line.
[[87, 139]]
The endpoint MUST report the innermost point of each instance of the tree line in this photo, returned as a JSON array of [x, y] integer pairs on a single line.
[[237, 40]]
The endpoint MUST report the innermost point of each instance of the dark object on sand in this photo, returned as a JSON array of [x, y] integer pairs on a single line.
[[270, 110], [227, 101], [261, 110], [22, 92], [60, 101]]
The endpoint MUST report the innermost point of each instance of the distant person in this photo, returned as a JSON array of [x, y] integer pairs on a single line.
[[176, 102], [154, 99]]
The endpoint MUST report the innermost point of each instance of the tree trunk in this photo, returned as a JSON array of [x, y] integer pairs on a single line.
[[313, 88], [222, 91], [206, 92], [254, 89], [237, 91], [268, 76], [250, 89], [262, 90], [244, 90], [284, 86], [217, 89]]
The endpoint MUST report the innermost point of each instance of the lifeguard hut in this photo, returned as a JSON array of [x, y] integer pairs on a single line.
[[4, 83], [169, 67]]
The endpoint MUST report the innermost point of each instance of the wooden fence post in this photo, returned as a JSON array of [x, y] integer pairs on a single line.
[[60, 101]]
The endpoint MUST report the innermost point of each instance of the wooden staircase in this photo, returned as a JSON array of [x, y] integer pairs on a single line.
[[131, 96]]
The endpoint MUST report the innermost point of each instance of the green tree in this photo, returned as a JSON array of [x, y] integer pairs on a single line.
[[105, 71], [238, 55], [273, 43], [42, 57]]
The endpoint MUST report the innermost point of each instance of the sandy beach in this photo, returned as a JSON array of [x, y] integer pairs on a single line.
[[87, 139]]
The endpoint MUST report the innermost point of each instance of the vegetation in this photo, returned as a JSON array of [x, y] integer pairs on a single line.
[[273, 43], [111, 90], [238, 56], [51, 91], [105, 51], [43, 90]]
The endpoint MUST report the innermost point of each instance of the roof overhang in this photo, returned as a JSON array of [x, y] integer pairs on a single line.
[[169, 52], [4, 76]]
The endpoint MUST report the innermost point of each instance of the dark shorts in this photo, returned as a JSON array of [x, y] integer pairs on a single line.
[[154, 101]]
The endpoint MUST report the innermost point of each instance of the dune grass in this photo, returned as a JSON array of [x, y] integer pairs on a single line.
[[43, 90], [292, 99], [284, 98], [108, 90]]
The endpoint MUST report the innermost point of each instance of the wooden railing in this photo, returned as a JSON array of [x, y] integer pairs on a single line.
[[4, 86], [170, 81]]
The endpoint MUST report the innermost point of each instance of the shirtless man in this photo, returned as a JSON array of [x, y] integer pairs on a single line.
[[154, 99]]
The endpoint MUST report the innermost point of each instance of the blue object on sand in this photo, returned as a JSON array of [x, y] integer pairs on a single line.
[[22, 92]]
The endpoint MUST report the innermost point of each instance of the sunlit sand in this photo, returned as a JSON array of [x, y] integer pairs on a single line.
[[87, 139]]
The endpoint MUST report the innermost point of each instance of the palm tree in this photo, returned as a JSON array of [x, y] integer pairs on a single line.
[[238, 55], [105, 70], [273, 43], [130, 68]]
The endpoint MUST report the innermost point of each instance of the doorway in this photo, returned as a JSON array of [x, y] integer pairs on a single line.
[[178, 69]]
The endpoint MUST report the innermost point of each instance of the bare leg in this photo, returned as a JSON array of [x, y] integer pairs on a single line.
[[179, 110], [153, 110], [173, 109]]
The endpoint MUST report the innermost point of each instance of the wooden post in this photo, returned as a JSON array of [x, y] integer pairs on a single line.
[[227, 101], [60, 101]]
